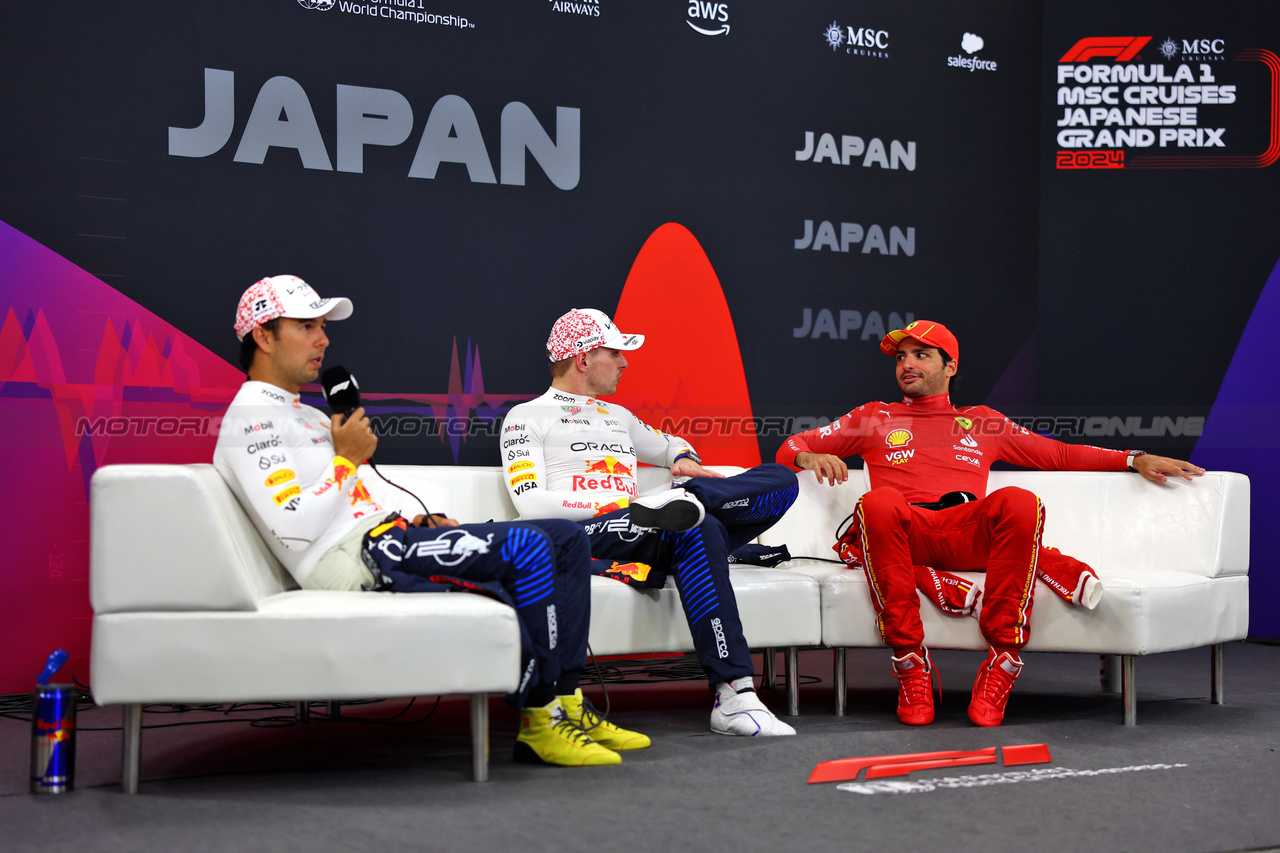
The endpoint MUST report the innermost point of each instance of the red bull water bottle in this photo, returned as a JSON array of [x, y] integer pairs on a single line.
[[53, 732]]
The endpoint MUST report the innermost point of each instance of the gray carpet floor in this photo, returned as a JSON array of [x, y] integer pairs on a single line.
[[1191, 776]]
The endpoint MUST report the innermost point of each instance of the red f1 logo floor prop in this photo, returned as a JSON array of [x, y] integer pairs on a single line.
[[884, 766]]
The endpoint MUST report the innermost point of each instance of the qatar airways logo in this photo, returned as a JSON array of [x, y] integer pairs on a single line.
[[282, 118]]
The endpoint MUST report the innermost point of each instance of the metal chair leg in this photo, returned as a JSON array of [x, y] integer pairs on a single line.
[[839, 658], [770, 675], [1217, 678], [479, 737], [793, 681], [131, 754], [1129, 688]]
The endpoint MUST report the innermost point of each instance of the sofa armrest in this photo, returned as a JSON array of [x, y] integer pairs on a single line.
[[173, 537]]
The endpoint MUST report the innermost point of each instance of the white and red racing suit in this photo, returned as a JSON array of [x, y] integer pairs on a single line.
[[277, 456], [568, 456], [915, 452], [574, 457]]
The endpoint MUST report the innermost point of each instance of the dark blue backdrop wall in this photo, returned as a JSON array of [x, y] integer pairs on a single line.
[[468, 171]]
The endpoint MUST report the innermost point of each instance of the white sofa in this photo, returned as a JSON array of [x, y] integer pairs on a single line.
[[190, 606], [1173, 559]]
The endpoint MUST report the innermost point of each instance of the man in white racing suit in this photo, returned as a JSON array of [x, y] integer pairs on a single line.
[[570, 454], [296, 472]]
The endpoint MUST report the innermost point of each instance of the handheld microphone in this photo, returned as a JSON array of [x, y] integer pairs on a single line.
[[341, 391]]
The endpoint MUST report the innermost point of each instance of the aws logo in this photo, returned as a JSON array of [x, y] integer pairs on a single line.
[[706, 12], [898, 438]]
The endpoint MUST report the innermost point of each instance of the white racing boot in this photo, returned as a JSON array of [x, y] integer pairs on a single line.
[[675, 511], [743, 714]]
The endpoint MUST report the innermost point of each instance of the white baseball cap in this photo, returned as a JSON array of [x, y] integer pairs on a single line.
[[286, 296], [584, 329]]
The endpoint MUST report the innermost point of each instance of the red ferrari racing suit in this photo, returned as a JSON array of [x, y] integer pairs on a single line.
[[916, 451]]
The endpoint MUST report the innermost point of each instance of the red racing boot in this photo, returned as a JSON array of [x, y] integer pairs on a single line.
[[991, 687], [914, 672]]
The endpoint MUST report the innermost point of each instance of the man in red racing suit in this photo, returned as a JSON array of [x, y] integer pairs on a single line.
[[915, 452]]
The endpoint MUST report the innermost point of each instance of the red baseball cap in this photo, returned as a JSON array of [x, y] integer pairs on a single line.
[[926, 332]]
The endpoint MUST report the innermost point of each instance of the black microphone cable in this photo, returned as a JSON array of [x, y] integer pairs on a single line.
[[342, 393]]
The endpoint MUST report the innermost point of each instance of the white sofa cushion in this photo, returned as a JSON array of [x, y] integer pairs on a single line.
[[1142, 611], [778, 607], [309, 644]]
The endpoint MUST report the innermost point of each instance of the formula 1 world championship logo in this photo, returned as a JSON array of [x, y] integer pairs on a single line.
[[319, 5]]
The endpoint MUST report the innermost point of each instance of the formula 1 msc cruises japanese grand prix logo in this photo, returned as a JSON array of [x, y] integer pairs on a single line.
[[1186, 98]]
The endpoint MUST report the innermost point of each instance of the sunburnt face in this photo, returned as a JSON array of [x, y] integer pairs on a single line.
[[920, 371]]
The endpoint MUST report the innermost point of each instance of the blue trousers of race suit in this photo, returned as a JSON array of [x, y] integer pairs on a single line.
[[739, 509], [542, 569]]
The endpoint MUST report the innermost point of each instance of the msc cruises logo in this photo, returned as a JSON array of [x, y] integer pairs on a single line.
[[862, 41]]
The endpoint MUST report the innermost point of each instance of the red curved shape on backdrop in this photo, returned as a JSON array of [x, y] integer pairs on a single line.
[[687, 378]]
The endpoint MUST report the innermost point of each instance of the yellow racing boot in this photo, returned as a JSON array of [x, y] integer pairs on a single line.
[[583, 714], [547, 737]]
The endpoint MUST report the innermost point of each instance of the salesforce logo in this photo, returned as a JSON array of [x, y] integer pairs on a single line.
[[322, 5]]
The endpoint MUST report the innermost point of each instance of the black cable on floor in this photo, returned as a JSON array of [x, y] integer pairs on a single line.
[[18, 707], [649, 671]]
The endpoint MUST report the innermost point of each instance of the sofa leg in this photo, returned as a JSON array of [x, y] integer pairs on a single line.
[[1109, 673], [793, 681], [302, 713], [131, 754], [1129, 688], [839, 658], [770, 675], [1217, 678], [480, 737]]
